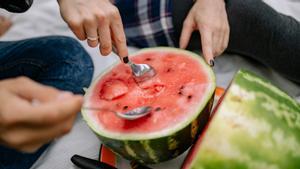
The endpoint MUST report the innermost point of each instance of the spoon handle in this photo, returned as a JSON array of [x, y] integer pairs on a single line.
[[96, 109], [87, 163]]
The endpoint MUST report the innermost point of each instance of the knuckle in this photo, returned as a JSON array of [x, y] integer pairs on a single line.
[[74, 23], [216, 27], [115, 13], [101, 16], [12, 140], [120, 40], [89, 19]]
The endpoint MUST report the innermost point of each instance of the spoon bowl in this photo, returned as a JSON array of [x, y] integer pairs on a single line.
[[141, 72]]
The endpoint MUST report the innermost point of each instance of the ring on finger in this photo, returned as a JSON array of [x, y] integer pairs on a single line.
[[93, 38]]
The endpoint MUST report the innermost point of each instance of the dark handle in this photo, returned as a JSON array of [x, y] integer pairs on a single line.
[[87, 163], [17, 6]]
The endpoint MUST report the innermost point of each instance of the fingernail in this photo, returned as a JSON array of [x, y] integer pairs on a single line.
[[212, 63], [64, 95], [125, 59]]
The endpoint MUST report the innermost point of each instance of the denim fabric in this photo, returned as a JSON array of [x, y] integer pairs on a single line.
[[56, 61]]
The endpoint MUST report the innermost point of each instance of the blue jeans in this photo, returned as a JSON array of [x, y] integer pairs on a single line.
[[56, 61]]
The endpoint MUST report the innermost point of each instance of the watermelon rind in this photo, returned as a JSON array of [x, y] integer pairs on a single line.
[[161, 145], [256, 126]]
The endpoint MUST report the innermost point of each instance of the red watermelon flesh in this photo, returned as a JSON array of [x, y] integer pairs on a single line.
[[175, 92]]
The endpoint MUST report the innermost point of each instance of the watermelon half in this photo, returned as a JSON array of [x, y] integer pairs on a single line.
[[181, 94], [255, 126]]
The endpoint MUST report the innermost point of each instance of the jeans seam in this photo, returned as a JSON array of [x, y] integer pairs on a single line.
[[8, 66]]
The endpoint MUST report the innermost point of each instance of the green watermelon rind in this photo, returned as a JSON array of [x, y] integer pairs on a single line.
[[262, 126], [157, 150], [174, 129]]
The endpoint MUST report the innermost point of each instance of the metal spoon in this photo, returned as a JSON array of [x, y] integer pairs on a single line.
[[129, 115], [141, 72]]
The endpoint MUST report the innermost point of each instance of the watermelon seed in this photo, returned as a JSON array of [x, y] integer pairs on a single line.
[[148, 59], [125, 107], [127, 71], [157, 109], [169, 70], [181, 87], [190, 96], [179, 93]]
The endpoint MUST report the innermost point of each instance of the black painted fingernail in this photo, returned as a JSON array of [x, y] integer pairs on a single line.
[[212, 63], [125, 59]]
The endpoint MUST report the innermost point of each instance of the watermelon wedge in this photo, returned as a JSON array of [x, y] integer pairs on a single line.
[[181, 94], [255, 126]]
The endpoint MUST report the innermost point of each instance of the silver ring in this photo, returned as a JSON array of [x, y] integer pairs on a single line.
[[92, 38]]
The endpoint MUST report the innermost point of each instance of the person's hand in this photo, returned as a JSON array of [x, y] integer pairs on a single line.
[[98, 21], [5, 24], [32, 114], [210, 18]]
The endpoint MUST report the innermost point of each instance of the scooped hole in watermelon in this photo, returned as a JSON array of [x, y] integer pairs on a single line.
[[113, 89]]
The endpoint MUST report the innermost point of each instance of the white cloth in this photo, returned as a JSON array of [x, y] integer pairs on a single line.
[[44, 19]]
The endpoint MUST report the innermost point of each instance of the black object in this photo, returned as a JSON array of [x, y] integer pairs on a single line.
[[87, 163], [125, 59], [212, 63], [136, 165], [17, 6]]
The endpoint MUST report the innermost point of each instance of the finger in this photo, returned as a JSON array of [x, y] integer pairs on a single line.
[[90, 27], [187, 29], [5, 24], [42, 114], [119, 38], [226, 37], [207, 45], [54, 112], [31, 90], [75, 23], [29, 139], [217, 43], [105, 38]]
